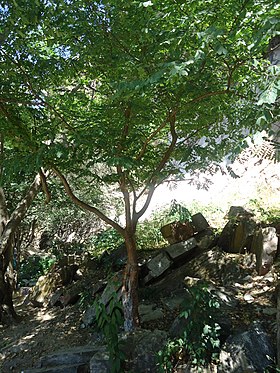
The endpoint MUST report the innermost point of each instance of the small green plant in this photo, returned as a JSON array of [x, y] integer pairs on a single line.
[[33, 267], [106, 240], [264, 212], [199, 342], [148, 231], [109, 319], [85, 299]]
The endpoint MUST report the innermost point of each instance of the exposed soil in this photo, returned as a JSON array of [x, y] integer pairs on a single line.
[[42, 331]]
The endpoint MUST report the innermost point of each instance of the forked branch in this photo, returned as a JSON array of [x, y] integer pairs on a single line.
[[84, 205]]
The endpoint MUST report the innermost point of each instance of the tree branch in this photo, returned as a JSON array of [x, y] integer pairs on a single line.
[[151, 184], [19, 214], [153, 134], [45, 185], [84, 205], [209, 94]]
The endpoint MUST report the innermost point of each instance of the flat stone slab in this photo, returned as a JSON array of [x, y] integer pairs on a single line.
[[181, 249], [159, 264], [56, 369], [72, 356], [150, 312]]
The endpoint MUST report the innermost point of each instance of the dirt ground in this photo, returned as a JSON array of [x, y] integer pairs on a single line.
[[41, 331]]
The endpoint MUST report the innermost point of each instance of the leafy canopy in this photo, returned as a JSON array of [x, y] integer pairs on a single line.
[[111, 88]]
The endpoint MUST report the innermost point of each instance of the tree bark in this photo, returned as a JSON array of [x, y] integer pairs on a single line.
[[130, 284], [7, 238]]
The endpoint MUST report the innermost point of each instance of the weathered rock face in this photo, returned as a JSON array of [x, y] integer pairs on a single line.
[[177, 231], [139, 348], [181, 250], [250, 351], [48, 285], [157, 266], [199, 222], [264, 245], [113, 287], [237, 235]]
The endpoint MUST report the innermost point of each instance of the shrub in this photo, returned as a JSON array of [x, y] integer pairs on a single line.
[[199, 342]]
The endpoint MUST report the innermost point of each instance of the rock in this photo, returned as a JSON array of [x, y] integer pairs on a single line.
[[59, 369], [72, 356], [150, 312], [180, 251], [113, 287], [69, 298], [47, 285], [237, 235], [177, 231], [206, 239], [157, 266], [100, 363], [55, 298], [239, 211], [191, 281], [173, 302], [199, 222], [141, 348], [116, 258], [250, 351], [264, 245]]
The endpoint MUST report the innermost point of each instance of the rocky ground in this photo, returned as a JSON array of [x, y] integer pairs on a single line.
[[246, 296]]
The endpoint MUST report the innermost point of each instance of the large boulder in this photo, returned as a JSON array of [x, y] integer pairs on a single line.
[[157, 266], [47, 285], [238, 232], [249, 351], [199, 222], [264, 245], [177, 231], [140, 349], [180, 251]]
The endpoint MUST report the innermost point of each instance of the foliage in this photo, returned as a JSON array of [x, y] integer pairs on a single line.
[[265, 211], [148, 232], [33, 267], [109, 319], [107, 240], [121, 94], [85, 299], [199, 342]]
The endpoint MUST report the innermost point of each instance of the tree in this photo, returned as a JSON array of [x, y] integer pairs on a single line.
[[134, 87]]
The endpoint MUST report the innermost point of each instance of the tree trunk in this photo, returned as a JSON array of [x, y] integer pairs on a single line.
[[130, 284], [7, 238]]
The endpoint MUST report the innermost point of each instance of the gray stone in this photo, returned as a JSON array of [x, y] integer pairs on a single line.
[[100, 363], [181, 250], [55, 298], [250, 351], [88, 317], [239, 211], [159, 264], [150, 312], [173, 303], [72, 356], [59, 369], [265, 243], [237, 235], [141, 348], [177, 231], [206, 239], [199, 222], [113, 287]]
